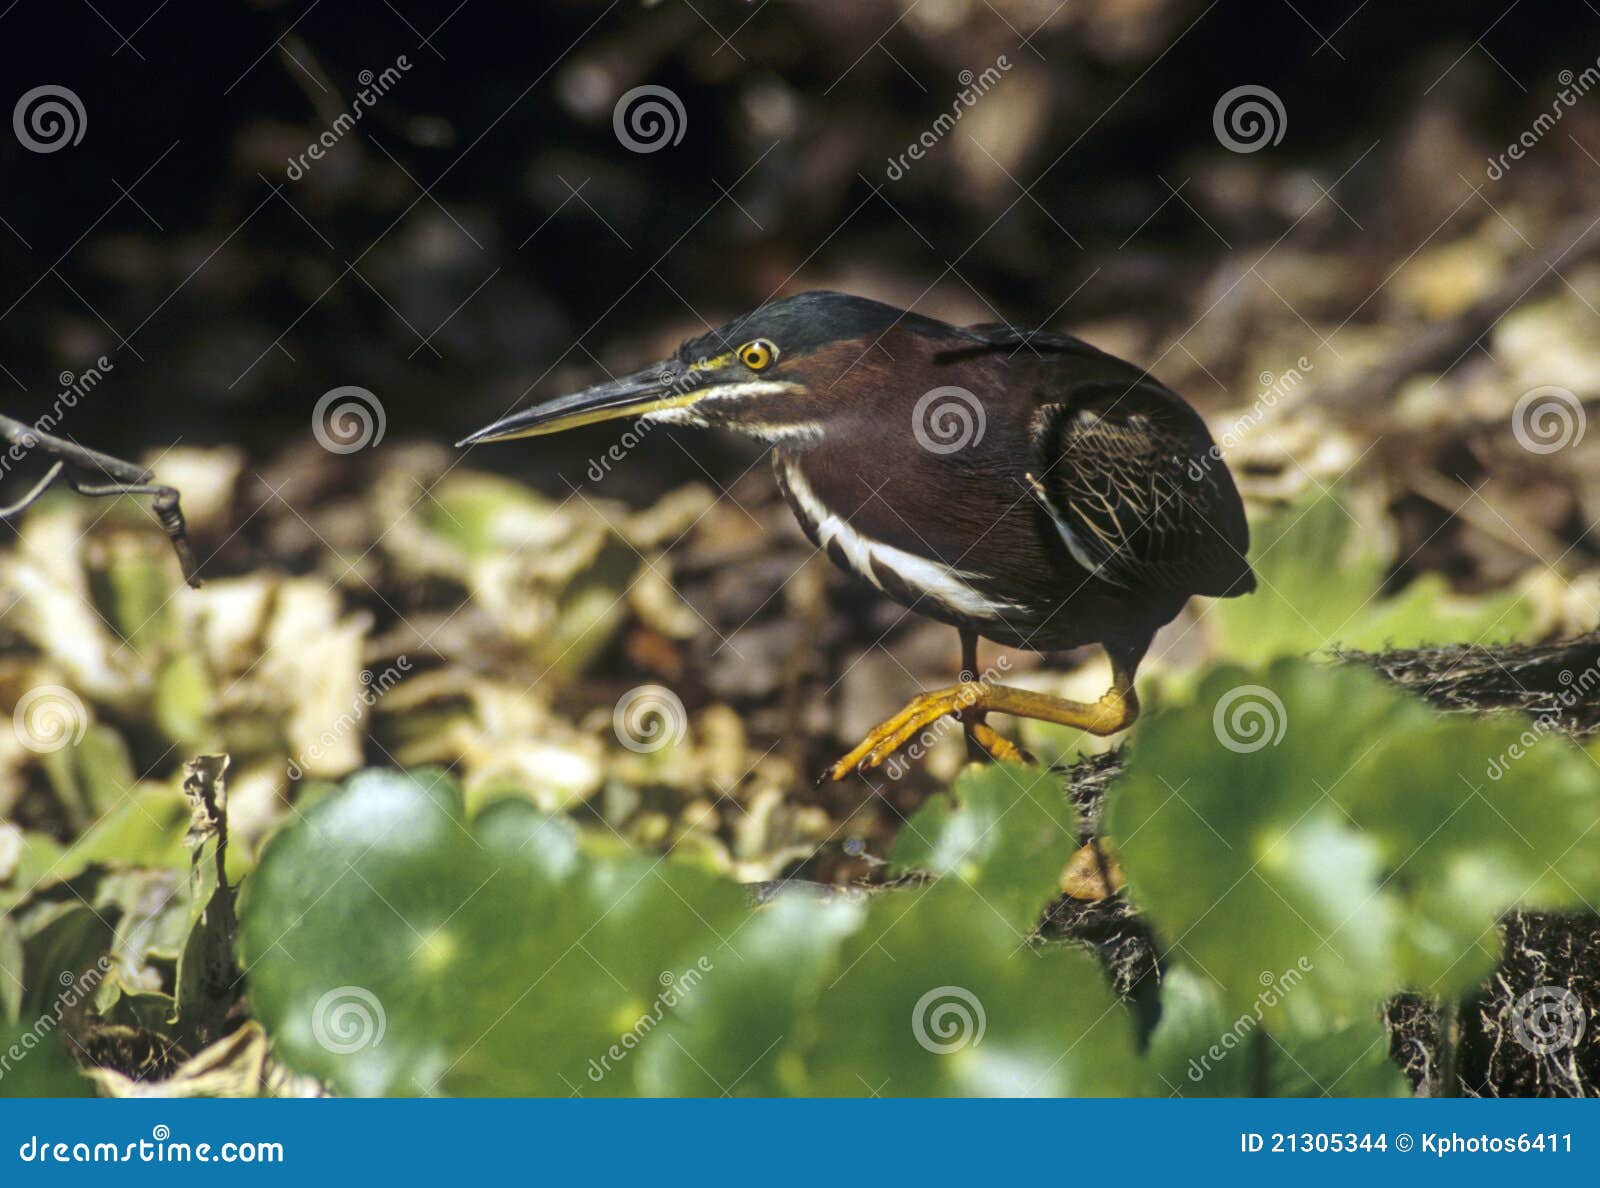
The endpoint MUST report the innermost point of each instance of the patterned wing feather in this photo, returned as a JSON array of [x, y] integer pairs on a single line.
[[1137, 491]]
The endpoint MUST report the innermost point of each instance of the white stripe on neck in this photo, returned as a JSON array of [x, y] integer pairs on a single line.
[[942, 583]]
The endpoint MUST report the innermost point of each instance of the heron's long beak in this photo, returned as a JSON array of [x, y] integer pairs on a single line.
[[663, 385]]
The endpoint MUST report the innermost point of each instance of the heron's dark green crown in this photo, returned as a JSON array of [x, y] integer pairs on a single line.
[[801, 324]]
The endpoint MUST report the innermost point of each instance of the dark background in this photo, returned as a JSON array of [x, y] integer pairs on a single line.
[[482, 239]]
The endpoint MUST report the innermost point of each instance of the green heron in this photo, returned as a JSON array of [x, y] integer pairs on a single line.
[[1019, 486]]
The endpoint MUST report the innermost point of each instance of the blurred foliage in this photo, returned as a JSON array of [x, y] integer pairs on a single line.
[[290, 675], [1365, 854], [502, 955], [1201, 1049], [395, 941], [435, 907], [1358, 831], [1322, 564], [45, 1069], [508, 929], [1005, 834]]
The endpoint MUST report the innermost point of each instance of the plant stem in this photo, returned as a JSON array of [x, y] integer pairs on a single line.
[[1449, 1024], [1260, 1064]]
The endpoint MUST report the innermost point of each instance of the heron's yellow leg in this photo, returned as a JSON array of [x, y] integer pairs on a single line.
[[1114, 711]]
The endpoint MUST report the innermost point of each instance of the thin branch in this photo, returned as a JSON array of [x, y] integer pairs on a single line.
[[1443, 343], [83, 469]]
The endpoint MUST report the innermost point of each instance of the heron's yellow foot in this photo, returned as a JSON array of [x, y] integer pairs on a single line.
[[1000, 748], [890, 735], [1113, 712]]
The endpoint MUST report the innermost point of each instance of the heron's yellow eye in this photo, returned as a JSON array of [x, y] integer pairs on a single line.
[[758, 354]]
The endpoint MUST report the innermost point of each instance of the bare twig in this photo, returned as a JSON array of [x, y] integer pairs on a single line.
[[1441, 344], [84, 470]]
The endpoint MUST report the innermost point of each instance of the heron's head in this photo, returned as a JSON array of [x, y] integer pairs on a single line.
[[781, 372]]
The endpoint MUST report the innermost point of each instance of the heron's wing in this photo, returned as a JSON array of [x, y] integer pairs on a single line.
[[1136, 489], [1126, 470]]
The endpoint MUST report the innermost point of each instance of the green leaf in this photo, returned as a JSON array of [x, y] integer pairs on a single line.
[[1198, 1050], [34, 1062], [138, 594], [1296, 609], [932, 998], [61, 941], [184, 696], [1322, 817], [151, 910], [394, 946], [11, 971], [145, 828], [1211, 837], [207, 986], [1475, 817], [32, 859], [1007, 839], [735, 1032], [93, 775]]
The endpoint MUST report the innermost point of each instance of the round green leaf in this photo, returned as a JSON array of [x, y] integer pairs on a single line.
[[392, 946]]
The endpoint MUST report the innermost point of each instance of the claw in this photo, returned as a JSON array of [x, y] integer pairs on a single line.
[[889, 736]]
